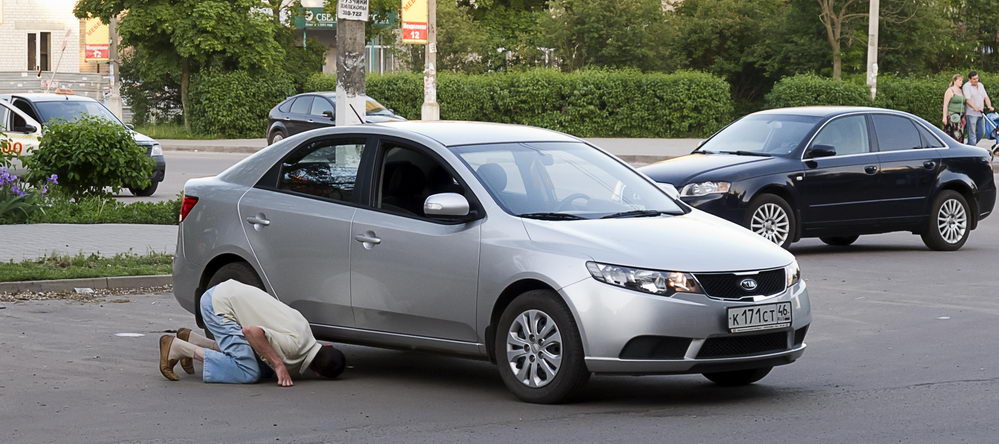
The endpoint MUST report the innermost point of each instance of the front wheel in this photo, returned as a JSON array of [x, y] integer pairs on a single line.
[[738, 377], [771, 217], [538, 349], [145, 192], [949, 224]]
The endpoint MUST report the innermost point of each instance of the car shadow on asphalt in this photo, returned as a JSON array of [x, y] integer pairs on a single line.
[[446, 373], [830, 249]]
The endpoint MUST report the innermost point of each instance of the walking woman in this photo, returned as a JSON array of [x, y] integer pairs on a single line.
[[953, 109]]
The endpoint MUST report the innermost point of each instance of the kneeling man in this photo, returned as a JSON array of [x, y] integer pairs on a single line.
[[244, 319]]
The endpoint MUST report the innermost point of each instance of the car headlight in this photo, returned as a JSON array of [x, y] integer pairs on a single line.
[[156, 150], [662, 283], [792, 273], [705, 188]]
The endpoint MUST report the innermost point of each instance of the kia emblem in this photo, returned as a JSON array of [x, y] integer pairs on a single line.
[[748, 284]]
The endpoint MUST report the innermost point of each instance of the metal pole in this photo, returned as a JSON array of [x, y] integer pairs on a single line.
[[114, 99], [872, 48], [431, 110]]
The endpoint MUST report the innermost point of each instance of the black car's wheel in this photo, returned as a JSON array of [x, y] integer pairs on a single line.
[[770, 216], [949, 223], [145, 192], [840, 241], [276, 136], [738, 377], [538, 349], [239, 271]]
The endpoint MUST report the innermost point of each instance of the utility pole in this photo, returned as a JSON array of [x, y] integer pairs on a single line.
[[872, 48], [114, 99], [350, 62], [430, 109]]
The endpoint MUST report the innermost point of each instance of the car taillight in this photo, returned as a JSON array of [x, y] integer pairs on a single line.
[[186, 206]]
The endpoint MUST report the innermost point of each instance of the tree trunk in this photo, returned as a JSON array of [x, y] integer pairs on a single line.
[[185, 82], [837, 63]]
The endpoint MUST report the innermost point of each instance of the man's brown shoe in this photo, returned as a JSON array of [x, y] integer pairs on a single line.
[[166, 365], [184, 334]]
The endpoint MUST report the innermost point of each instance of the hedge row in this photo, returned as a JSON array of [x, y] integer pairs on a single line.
[[922, 96], [590, 103], [235, 104]]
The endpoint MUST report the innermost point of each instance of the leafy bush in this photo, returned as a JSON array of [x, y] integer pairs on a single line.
[[810, 89], [89, 155], [588, 103], [7, 154], [235, 104], [923, 96], [105, 210]]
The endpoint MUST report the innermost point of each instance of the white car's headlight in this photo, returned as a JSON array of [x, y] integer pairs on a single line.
[[705, 188], [663, 283], [792, 273], [156, 150]]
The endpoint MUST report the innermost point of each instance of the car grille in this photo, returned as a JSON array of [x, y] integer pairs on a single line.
[[732, 346], [655, 347], [727, 285]]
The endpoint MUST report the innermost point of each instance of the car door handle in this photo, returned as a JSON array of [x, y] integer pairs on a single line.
[[311, 121], [258, 220], [929, 164], [287, 118], [366, 239], [871, 169]]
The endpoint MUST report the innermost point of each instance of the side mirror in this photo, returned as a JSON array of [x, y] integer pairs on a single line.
[[26, 128], [328, 114], [669, 189], [446, 204], [130, 126], [817, 151]]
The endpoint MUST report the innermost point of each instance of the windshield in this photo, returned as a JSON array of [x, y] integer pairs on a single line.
[[563, 180], [373, 108], [72, 110], [761, 134]]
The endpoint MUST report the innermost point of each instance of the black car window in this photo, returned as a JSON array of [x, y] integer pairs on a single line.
[[324, 168], [408, 177], [847, 135], [286, 106], [302, 105], [24, 106], [896, 133], [929, 141], [321, 105]]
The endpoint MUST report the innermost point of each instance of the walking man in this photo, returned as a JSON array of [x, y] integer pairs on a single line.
[[976, 99], [246, 323]]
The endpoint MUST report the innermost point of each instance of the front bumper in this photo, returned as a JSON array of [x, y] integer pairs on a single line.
[[159, 168], [609, 317], [727, 206]]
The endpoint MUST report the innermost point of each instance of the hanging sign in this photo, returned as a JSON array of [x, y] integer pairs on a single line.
[[97, 40], [414, 21], [352, 10]]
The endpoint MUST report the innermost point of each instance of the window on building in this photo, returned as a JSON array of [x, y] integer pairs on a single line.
[[45, 50], [32, 51]]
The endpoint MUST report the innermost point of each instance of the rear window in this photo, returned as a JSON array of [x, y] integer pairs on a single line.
[[286, 106]]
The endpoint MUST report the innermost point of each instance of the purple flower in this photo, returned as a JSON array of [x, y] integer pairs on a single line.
[[16, 190], [53, 179], [45, 189]]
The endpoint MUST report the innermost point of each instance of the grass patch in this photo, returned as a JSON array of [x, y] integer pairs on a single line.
[[172, 131], [100, 210], [86, 266]]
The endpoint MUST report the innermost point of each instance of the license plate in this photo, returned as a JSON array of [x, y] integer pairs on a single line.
[[759, 317]]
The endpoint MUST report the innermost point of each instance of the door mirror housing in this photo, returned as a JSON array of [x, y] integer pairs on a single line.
[[26, 128], [446, 205], [328, 114], [669, 189], [817, 151]]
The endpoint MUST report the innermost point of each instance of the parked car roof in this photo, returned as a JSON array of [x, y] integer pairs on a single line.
[[452, 133], [822, 111], [50, 97]]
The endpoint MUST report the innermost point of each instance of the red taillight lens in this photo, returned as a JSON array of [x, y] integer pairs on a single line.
[[186, 206]]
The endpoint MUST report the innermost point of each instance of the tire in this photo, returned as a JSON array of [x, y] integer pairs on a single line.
[[533, 310], [239, 271], [839, 241], [276, 136], [145, 192], [949, 224], [772, 217], [739, 377]]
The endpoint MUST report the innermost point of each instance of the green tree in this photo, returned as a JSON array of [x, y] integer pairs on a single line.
[[188, 35], [978, 25]]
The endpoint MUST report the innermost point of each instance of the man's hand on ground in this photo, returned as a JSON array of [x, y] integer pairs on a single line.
[[283, 378], [258, 340]]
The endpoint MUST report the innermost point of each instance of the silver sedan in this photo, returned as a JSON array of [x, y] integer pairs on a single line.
[[520, 245]]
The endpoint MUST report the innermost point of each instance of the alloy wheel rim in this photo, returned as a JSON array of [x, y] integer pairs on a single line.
[[771, 222], [952, 221], [534, 348], [277, 138]]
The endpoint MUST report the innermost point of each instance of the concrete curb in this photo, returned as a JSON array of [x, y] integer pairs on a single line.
[[101, 283]]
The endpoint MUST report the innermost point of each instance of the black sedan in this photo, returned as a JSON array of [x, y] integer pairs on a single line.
[[837, 173], [310, 111]]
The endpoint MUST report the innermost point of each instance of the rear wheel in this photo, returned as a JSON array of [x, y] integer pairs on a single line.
[[840, 241], [772, 218], [538, 349], [238, 271], [949, 224], [145, 192], [738, 377]]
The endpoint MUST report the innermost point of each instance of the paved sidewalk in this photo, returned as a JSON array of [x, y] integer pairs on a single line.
[[21, 242]]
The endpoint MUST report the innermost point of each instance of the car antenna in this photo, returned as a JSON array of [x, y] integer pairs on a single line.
[[359, 119]]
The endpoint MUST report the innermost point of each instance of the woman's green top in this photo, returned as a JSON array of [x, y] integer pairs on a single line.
[[956, 104]]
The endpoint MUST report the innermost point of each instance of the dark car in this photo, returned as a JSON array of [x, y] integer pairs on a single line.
[[310, 111], [43, 108], [837, 173]]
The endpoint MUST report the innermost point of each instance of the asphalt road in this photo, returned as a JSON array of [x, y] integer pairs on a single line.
[[183, 166], [902, 349]]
